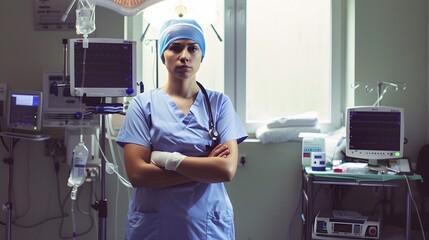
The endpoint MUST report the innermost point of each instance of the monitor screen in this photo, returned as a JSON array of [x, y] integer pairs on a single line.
[[374, 133], [107, 68], [25, 110]]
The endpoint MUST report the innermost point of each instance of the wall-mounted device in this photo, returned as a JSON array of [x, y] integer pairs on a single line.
[[24, 110], [59, 106], [107, 68]]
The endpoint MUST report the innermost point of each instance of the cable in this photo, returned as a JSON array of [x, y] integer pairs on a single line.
[[114, 169], [26, 211], [415, 205], [112, 153], [121, 160], [62, 214]]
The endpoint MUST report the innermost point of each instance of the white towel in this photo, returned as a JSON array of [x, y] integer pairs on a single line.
[[285, 134], [300, 120]]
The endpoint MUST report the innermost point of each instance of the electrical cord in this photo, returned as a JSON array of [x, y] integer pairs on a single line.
[[62, 215], [61, 205], [340, 141], [415, 205], [27, 190]]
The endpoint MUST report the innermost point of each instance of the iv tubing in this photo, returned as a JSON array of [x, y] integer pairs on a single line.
[[109, 139], [81, 99], [124, 181], [73, 197]]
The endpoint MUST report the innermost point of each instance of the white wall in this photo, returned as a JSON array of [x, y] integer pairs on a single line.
[[24, 55], [391, 45]]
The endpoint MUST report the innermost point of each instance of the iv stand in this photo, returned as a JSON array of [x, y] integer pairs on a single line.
[[101, 205], [8, 206], [381, 91]]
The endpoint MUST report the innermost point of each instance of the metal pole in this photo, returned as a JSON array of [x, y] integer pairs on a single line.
[[102, 204], [408, 216], [9, 206]]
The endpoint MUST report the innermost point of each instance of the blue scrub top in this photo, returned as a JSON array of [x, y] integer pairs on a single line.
[[189, 211]]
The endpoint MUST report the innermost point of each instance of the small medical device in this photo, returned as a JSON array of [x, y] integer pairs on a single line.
[[309, 145], [326, 224], [25, 110], [318, 161], [375, 133], [59, 106], [107, 68], [213, 134]]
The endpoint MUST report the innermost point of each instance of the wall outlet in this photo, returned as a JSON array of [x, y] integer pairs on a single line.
[[242, 160], [92, 172]]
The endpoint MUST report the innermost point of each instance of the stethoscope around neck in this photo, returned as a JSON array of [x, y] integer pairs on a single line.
[[213, 134]]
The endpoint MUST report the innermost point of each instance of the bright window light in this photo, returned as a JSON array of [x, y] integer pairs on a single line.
[[288, 59]]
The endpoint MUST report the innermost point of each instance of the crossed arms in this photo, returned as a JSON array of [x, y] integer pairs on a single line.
[[219, 166]]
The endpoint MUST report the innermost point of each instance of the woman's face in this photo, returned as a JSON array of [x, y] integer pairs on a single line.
[[183, 58]]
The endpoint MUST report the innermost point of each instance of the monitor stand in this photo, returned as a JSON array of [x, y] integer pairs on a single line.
[[376, 165]]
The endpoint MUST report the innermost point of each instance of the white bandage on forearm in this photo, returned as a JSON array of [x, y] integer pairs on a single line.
[[168, 160]]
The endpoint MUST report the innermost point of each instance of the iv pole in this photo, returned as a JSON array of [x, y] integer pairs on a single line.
[[380, 93], [8, 206], [101, 205]]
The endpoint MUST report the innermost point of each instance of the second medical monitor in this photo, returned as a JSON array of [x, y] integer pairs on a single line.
[[107, 68]]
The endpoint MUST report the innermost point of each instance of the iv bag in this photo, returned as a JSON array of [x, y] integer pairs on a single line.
[[85, 18], [79, 160]]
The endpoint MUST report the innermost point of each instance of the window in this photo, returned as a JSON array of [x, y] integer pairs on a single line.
[[275, 59], [284, 62]]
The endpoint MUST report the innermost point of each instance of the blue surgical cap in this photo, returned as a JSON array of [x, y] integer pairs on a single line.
[[176, 29]]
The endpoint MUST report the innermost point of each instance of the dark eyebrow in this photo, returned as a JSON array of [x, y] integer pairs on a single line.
[[188, 44]]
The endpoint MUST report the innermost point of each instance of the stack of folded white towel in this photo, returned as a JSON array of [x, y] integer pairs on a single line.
[[288, 128]]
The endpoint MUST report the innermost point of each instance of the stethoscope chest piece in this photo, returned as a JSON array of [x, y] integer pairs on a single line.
[[213, 134]]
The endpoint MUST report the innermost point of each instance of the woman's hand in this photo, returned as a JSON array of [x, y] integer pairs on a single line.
[[219, 166], [220, 150]]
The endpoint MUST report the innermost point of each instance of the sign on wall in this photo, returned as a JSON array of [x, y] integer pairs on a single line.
[[48, 14]]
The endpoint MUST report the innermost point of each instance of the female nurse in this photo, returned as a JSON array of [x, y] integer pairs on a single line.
[[180, 146]]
